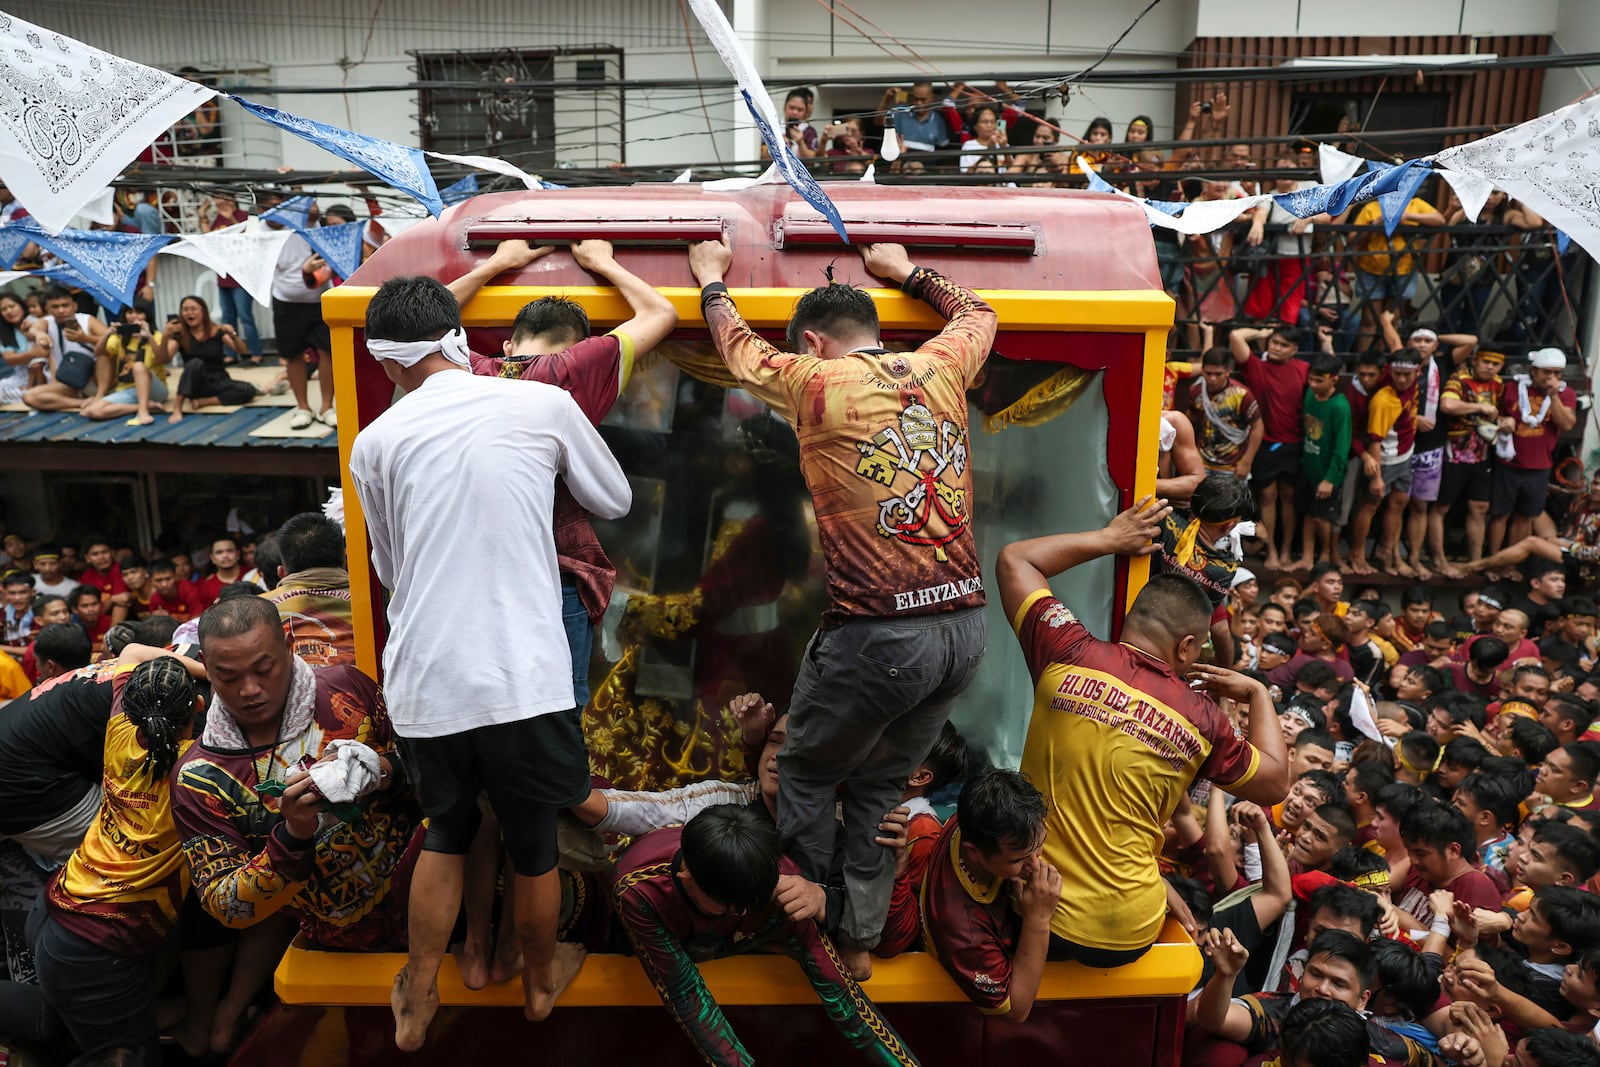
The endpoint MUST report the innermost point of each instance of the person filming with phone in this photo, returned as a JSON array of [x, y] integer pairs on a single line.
[[130, 369]]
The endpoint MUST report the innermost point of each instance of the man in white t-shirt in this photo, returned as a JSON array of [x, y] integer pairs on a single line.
[[479, 687], [48, 577], [299, 279], [65, 333]]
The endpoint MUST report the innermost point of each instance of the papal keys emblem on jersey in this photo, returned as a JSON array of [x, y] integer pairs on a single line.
[[913, 458]]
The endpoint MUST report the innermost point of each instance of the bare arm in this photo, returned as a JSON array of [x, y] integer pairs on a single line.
[[1252, 445], [1217, 1014], [508, 255], [1036, 894], [1276, 884], [1564, 417], [1270, 783], [1391, 336], [1239, 342], [1188, 470], [653, 314], [1024, 567]]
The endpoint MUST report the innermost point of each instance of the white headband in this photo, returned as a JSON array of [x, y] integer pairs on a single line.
[[1424, 333], [453, 346]]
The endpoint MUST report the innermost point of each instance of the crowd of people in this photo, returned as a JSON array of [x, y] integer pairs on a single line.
[[1377, 826]]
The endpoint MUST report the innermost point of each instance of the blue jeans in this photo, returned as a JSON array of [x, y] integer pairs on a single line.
[[580, 640], [238, 309]]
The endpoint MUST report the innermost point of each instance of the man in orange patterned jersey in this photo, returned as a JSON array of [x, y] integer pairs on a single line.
[[883, 447]]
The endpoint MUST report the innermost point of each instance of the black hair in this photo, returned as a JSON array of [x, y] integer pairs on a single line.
[[1439, 631], [1573, 915], [156, 631], [1578, 605], [1465, 752], [1172, 604], [1312, 736], [1434, 680], [161, 566], [1577, 848], [1372, 778], [1494, 793], [1488, 653], [1217, 356], [1416, 595], [1580, 711], [56, 292], [238, 615], [134, 563], [1516, 674], [732, 853], [1552, 1046], [1370, 358], [1408, 975], [18, 578], [999, 808], [240, 588], [1338, 817], [1324, 364], [1537, 567], [1287, 332], [412, 309], [269, 557], [159, 700], [1420, 749], [118, 638], [44, 600], [1439, 826], [310, 539], [1326, 783], [1353, 861], [1305, 607], [1533, 739], [1099, 122], [1343, 945], [950, 759], [1316, 674], [834, 308], [66, 643], [1222, 497], [1324, 1033], [79, 593], [337, 211], [553, 318], [1585, 757], [1321, 570]]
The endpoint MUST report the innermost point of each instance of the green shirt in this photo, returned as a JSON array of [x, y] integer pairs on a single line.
[[1327, 439]]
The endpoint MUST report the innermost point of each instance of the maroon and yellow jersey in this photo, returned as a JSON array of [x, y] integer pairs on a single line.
[[1114, 732], [969, 927], [315, 607], [883, 446], [122, 887]]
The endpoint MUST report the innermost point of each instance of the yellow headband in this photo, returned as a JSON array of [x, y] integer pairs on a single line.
[[1372, 880], [1400, 754]]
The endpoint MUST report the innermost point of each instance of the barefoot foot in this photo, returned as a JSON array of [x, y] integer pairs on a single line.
[[856, 960], [1423, 573], [564, 967], [472, 959], [1359, 565], [507, 961], [413, 1011]]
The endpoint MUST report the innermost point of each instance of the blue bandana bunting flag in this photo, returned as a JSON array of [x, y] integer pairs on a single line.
[[67, 276], [462, 190], [13, 239], [291, 213], [759, 101], [112, 262], [1394, 202], [339, 245], [402, 167]]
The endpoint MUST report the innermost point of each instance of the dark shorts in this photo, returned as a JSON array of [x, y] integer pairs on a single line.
[[107, 1001], [298, 327], [1311, 506], [1469, 481], [1100, 959], [1275, 463], [530, 769], [1518, 492]]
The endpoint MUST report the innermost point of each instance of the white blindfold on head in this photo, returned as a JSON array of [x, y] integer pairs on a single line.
[[453, 346]]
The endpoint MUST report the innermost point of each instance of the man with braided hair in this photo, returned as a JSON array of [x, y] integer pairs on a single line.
[[883, 448], [114, 906], [1198, 546]]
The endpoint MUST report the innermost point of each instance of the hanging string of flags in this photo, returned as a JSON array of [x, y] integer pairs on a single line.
[[98, 112]]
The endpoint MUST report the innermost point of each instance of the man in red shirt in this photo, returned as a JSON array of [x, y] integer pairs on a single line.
[[172, 597], [986, 871], [1534, 412], [86, 604], [1443, 850], [226, 568], [1278, 380], [550, 343], [104, 574]]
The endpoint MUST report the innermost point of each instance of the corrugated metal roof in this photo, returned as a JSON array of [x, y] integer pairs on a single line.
[[195, 431]]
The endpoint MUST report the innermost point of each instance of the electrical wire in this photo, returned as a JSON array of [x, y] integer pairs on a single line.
[[688, 36], [1113, 46]]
